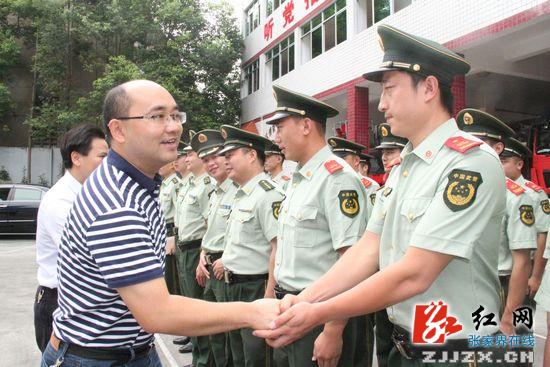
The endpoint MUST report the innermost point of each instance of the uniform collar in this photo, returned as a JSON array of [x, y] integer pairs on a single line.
[[151, 184], [521, 180], [248, 187], [314, 162], [224, 186], [432, 144], [167, 180]]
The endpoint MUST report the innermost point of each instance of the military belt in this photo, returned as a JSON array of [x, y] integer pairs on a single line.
[[232, 278], [402, 340], [189, 245], [211, 257], [280, 292]]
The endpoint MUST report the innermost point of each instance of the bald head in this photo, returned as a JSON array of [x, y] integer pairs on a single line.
[[119, 99]]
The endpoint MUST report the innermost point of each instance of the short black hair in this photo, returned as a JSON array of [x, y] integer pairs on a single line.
[[78, 139], [259, 153], [446, 95], [117, 103]]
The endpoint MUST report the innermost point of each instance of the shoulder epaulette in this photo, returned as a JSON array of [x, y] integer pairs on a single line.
[[461, 144], [207, 180], [366, 182], [266, 185], [514, 188], [533, 186], [333, 166]]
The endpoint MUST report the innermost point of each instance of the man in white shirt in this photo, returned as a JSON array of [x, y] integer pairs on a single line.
[[82, 150]]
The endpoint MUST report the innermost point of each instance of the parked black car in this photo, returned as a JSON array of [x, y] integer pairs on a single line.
[[19, 207]]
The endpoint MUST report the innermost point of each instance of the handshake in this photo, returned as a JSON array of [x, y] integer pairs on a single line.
[[281, 322]]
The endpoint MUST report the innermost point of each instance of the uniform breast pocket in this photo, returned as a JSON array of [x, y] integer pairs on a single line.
[[243, 227], [224, 213], [192, 202], [414, 208], [303, 226]]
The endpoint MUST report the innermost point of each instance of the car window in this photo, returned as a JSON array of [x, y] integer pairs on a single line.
[[27, 194], [4, 192]]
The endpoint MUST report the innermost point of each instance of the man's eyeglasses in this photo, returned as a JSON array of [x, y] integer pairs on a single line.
[[160, 118]]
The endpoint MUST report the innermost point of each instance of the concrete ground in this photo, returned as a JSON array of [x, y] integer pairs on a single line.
[[18, 279]]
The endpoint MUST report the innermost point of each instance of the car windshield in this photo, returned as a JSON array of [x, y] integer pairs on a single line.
[[27, 194]]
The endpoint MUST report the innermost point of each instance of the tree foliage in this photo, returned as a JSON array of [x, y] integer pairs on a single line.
[[82, 48]]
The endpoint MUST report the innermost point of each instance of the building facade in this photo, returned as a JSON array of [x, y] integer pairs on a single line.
[[322, 48]]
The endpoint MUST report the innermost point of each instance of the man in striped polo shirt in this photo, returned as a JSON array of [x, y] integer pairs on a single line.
[[112, 294]]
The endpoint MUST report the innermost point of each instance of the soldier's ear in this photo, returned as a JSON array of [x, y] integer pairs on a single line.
[[307, 124]]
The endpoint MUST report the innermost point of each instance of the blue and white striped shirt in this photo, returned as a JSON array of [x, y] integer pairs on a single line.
[[114, 237]]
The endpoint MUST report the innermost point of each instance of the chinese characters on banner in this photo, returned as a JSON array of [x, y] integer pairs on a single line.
[[292, 11], [432, 324]]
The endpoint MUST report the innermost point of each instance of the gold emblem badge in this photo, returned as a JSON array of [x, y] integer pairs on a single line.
[[526, 215], [545, 205], [276, 208], [384, 131], [349, 203], [202, 138], [224, 133], [333, 143], [468, 119], [381, 43], [461, 189]]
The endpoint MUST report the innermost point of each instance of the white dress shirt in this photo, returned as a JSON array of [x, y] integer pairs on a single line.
[[52, 215]]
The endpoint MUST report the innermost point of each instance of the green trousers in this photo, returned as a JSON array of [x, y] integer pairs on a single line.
[[354, 350], [246, 349], [171, 274], [219, 343], [188, 260], [384, 343]]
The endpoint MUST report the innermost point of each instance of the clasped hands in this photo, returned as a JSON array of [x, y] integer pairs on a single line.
[[282, 322]]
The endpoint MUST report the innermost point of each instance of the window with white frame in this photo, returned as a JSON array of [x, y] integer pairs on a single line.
[[252, 17], [280, 59], [324, 31], [380, 9], [252, 77], [272, 5]]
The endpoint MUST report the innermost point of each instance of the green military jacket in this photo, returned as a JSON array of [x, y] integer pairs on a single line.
[[446, 196], [518, 229], [167, 196], [322, 213], [540, 202], [193, 211], [221, 203], [252, 225]]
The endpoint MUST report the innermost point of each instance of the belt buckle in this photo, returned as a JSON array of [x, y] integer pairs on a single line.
[[227, 276], [401, 347]]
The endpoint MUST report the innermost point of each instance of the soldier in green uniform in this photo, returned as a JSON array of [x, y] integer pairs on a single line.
[[391, 147], [512, 159], [207, 143], [167, 201], [274, 159], [192, 215], [431, 233], [322, 215], [518, 231], [251, 237]]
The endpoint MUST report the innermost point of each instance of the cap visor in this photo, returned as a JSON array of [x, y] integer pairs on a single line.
[[203, 153], [276, 117], [376, 75], [390, 146], [227, 148]]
